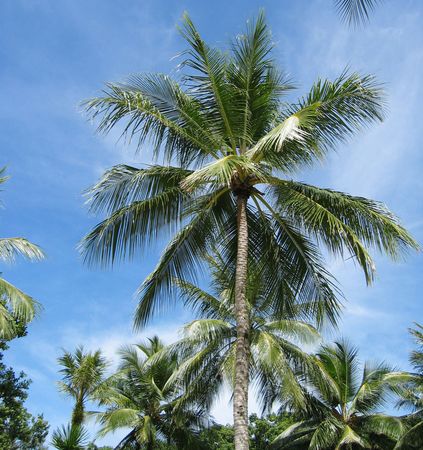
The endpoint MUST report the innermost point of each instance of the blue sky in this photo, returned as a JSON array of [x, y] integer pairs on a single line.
[[56, 53]]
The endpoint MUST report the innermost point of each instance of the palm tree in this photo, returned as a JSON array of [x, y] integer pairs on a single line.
[[82, 373], [230, 146], [208, 345], [140, 397], [71, 437], [340, 405], [16, 307], [411, 394]]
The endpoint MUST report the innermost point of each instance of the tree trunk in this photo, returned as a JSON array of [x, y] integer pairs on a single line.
[[240, 404]]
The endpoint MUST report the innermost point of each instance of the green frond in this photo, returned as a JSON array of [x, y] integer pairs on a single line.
[[205, 304], [355, 12], [343, 222], [332, 111], [10, 248], [121, 185], [349, 438], [259, 85], [15, 307], [412, 438], [208, 82], [112, 420], [154, 107], [130, 228], [3, 176], [300, 331], [313, 285], [294, 435], [382, 424], [70, 438], [182, 256]]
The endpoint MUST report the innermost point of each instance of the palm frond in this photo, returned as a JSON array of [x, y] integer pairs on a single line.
[[355, 12], [141, 203], [70, 437], [15, 307], [10, 248], [341, 221], [183, 255], [258, 83], [209, 84], [156, 107]]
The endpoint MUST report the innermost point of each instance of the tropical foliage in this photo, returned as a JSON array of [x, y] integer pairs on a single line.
[[141, 398], [71, 437], [355, 12], [15, 306], [82, 373], [342, 404], [19, 429], [229, 146], [412, 396], [208, 344]]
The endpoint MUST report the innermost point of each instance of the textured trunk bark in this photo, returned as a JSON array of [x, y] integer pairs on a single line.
[[240, 404]]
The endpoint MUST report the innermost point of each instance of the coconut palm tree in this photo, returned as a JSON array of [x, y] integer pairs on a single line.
[[229, 147], [139, 397], [70, 438], [82, 373], [16, 307], [411, 394], [341, 404], [207, 348]]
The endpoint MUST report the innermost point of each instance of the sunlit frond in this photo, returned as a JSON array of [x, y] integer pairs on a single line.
[[15, 307], [10, 248]]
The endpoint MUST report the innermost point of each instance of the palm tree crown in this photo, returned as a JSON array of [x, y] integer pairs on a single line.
[[229, 133], [208, 345], [82, 373], [15, 306], [141, 397], [70, 438], [340, 404]]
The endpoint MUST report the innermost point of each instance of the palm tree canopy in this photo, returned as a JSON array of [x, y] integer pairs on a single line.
[[342, 402], [225, 129], [70, 438], [82, 373], [207, 346], [15, 306], [140, 397]]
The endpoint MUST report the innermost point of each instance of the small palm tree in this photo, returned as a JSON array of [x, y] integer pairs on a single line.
[[340, 405], [140, 397], [16, 307], [208, 345], [70, 438], [230, 146], [412, 397], [82, 373]]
